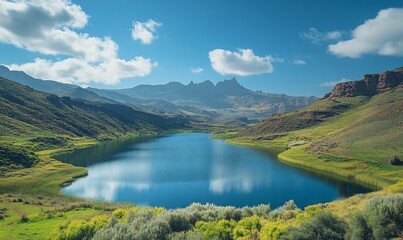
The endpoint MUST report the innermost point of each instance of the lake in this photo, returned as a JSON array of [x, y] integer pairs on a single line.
[[178, 169]]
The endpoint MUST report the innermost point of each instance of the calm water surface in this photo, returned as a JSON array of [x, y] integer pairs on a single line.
[[179, 169]]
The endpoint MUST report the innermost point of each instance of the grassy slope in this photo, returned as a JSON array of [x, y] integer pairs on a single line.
[[25, 111], [355, 144]]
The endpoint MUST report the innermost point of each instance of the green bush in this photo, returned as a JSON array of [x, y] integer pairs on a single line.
[[381, 218], [360, 228], [321, 226], [221, 230], [248, 227], [394, 160], [81, 229]]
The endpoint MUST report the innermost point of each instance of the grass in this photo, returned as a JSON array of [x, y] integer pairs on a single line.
[[30, 217], [361, 140]]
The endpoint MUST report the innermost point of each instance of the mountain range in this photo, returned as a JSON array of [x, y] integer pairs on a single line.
[[198, 102]]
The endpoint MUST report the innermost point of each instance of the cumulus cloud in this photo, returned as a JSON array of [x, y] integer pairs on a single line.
[[145, 31], [382, 35], [196, 69], [242, 63], [317, 37], [299, 62], [79, 71], [333, 83], [50, 28]]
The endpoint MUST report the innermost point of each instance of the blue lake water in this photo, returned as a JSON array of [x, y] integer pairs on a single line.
[[176, 170]]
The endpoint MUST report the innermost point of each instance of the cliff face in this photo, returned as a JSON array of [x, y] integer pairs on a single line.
[[371, 84]]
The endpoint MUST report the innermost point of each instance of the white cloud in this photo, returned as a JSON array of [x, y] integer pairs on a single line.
[[79, 71], [317, 37], [299, 62], [242, 63], [382, 35], [333, 83], [145, 31], [196, 69], [48, 27]]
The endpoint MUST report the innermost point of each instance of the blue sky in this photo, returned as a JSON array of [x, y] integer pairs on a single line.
[[274, 46]]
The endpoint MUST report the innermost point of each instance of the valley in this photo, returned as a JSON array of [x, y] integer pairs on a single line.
[[336, 137]]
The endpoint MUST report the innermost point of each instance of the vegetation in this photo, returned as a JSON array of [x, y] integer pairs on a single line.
[[15, 157], [332, 138], [394, 160], [355, 144]]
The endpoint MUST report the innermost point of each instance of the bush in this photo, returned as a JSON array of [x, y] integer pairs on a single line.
[[221, 230], [24, 218], [273, 230], [394, 160], [359, 228], [81, 229], [248, 227], [278, 212], [381, 218], [321, 226], [144, 224]]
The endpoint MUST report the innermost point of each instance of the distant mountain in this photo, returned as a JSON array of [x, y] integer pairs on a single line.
[[154, 106], [227, 101], [60, 89], [24, 110], [227, 98]]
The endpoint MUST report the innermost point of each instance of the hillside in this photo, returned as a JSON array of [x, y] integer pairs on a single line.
[[377, 99], [24, 110], [353, 131], [227, 98]]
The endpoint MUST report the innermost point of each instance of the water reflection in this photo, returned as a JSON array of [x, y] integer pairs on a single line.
[[176, 170]]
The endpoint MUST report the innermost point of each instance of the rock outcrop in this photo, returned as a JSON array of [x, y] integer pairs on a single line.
[[371, 85]]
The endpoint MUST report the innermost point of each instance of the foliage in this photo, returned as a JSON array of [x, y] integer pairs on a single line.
[[143, 224], [382, 218], [273, 230], [15, 157], [394, 160], [248, 227], [321, 226], [82, 229], [221, 229]]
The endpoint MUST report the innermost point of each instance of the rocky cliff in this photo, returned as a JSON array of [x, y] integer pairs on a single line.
[[371, 84]]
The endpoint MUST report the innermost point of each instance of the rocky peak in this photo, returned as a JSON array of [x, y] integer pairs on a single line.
[[372, 84]]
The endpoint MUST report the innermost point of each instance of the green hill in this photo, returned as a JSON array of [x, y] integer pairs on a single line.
[[24, 110], [353, 131]]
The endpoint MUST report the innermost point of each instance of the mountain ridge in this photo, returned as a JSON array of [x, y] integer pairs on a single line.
[[226, 101], [370, 85]]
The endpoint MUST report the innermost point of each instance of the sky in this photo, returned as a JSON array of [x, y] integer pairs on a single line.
[[294, 47]]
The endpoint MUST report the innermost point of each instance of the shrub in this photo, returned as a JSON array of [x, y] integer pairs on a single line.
[[24, 218], [81, 229], [321, 226], [272, 230], [384, 216], [360, 228], [221, 230], [278, 212], [247, 227], [394, 160], [143, 224]]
